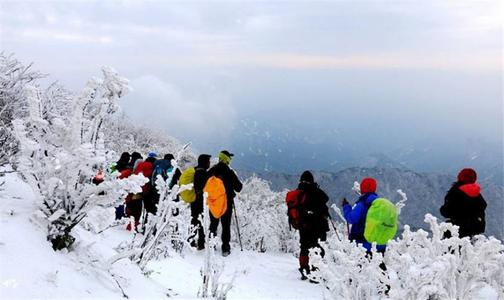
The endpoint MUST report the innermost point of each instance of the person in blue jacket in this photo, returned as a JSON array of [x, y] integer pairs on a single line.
[[357, 215]]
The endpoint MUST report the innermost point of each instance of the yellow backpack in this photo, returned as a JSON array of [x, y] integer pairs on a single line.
[[187, 177], [216, 199]]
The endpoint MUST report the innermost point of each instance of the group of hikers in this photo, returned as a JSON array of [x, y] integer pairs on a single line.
[[372, 219], [220, 183]]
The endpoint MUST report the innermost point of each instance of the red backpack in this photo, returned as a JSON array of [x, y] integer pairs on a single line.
[[294, 200]]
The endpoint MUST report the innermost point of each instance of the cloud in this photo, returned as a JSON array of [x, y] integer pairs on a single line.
[[157, 103], [405, 61]]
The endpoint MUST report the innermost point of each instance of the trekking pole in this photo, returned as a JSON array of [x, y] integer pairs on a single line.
[[334, 227], [237, 227]]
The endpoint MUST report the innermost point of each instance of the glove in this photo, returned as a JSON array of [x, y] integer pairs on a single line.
[[344, 201]]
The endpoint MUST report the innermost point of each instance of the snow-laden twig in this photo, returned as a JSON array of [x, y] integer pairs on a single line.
[[402, 203], [213, 267]]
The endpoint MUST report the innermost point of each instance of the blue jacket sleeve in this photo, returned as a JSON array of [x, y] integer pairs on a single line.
[[354, 215]]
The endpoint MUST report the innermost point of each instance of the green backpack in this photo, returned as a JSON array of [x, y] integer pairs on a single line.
[[381, 222], [187, 177]]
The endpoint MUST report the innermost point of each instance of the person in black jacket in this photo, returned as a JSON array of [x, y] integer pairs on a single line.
[[232, 185], [313, 213], [464, 205], [200, 179]]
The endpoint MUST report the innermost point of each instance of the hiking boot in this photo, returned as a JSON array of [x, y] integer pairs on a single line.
[[200, 247], [303, 273], [226, 250], [193, 244]]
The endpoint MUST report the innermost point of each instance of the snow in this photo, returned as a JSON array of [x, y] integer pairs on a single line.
[[29, 268], [259, 276]]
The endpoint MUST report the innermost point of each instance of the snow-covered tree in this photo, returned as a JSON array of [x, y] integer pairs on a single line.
[[419, 266], [262, 216], [61, 148], [430, 266], [14, 76], [122, 134]]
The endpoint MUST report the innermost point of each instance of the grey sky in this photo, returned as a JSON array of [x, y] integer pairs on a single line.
[[394, 71]]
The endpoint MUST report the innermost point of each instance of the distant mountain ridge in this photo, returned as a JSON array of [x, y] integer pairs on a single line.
[[425, 191], [272, 145]]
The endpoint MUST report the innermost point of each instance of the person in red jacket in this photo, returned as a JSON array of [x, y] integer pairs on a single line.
[[134, 205], [464, 206]]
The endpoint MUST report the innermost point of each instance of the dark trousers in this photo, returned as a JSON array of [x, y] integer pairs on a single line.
[[134, 208], [308, 239], [196, 212], [225, 220]]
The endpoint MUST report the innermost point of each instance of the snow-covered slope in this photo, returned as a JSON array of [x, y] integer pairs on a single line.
[[29, 268]]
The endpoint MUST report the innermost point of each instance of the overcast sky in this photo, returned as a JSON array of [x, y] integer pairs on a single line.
[[386, 70]]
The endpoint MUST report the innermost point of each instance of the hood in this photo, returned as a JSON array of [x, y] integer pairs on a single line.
[[307, 186], [368, 198], [472, 189]]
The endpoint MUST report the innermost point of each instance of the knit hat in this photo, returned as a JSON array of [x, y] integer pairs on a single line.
[[152, 154], [467, 175], [225, 157], [368, 185], [307, 176]]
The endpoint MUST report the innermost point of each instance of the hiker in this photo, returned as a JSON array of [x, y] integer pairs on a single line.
[[464, 205], [161, 167], [373, 219], [122, 163], [134, 205], [356, 216], [146, 168], [200, 179], [232, 186], [136, 158], [309, 214], [175, 178]]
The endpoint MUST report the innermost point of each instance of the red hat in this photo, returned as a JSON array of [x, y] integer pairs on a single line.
[[368, 185], [467, 175]]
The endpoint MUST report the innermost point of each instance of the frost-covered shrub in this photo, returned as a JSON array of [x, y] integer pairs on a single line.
[[454, 268], [123, 135], [14, 76], [419, 266], [61, 148], [262, 216], [213, 267], [167, 231], [346, 271]]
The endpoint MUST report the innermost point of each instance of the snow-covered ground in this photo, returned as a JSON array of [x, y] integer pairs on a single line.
[[29, 268], [258, 276]]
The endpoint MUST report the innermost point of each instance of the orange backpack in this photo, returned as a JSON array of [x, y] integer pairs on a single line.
[[216, 200]]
